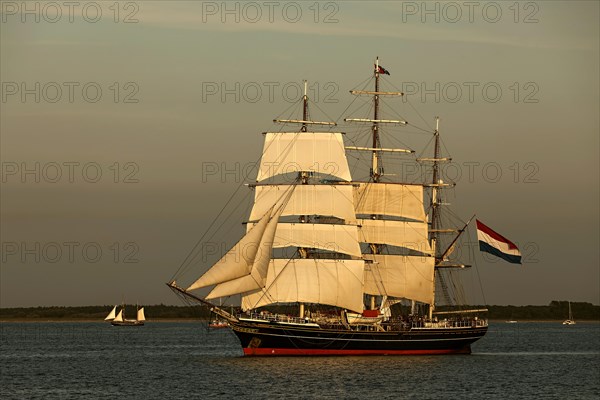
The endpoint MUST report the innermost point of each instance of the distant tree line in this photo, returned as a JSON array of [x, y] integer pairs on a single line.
[[556, 310], [160, 311]]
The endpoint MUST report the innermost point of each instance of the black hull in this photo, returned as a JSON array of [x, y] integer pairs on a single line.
[[127, 323], [273, 339]]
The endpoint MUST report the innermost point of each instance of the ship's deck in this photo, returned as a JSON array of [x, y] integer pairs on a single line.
[[335, 322]]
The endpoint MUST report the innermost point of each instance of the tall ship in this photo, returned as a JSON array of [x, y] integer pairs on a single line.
[[366, 265]]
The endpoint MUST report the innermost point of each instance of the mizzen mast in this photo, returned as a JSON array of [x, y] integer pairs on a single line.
[[436, 228]]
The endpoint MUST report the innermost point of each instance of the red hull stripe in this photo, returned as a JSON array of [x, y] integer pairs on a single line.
[[321, 352], [486, 229]]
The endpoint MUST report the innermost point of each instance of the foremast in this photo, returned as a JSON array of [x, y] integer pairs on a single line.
[[312, 214], [313, 253]]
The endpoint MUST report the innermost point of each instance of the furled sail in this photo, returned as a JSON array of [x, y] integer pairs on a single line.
[[111, 315], [409, 277], [407, 234], [257, 276], [238, 261], [319, 152], [336, 238], [119, 317], [140, 315], [326, 200], [397, 200], [324, 281]]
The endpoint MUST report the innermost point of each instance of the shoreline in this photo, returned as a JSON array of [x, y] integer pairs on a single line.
[[71, 320], [196, 320]]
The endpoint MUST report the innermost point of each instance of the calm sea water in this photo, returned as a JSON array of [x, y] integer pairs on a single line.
[[182, 360]]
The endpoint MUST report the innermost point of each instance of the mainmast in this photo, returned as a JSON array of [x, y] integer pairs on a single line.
[[376, 149], [434, 204], [303, 176], [375, 173], [376, 170]]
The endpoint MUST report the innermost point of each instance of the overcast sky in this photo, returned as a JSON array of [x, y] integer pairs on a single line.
[[118, 123]]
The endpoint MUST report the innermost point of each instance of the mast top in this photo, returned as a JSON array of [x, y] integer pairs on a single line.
[[305, 120]]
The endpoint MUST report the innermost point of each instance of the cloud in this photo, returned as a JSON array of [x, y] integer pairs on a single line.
[[385, 21]]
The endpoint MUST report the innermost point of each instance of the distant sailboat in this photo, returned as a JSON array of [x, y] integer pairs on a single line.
[[119, 319], [569, 321]]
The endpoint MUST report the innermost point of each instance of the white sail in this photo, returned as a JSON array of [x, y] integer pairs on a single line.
[[320, 152], [119, 317], [325, 200], [337, 238], [570, 313], [386, 304], [323, 281], [111, 315], [238, 261], [409, 277], [140, 315], [390, 199], [411, 235], [257, 277]]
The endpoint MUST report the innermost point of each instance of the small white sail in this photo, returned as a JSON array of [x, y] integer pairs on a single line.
[[569, 321], [111, 315], [386, 304], [140, 315], [119, 317]]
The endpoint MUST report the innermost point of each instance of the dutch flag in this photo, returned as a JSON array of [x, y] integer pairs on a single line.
[[494, 243], [381, 70]]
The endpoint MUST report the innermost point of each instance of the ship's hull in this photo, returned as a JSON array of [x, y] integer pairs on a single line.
[[127, 323], [272, 339]]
